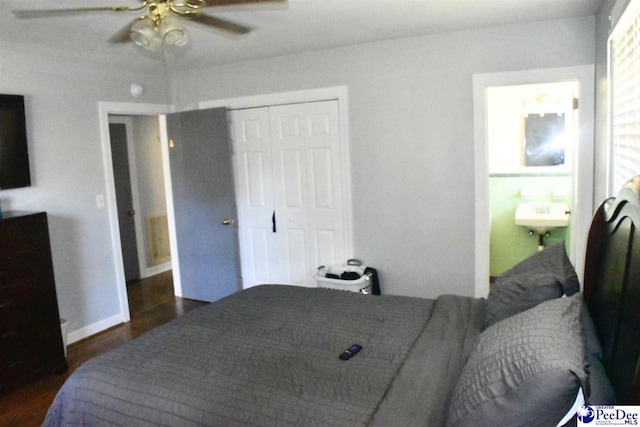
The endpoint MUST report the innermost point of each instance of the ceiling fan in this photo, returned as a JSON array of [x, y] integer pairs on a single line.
[[161, 20]]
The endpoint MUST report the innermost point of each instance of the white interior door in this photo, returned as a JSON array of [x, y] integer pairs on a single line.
[[289, 191], [254, 195]]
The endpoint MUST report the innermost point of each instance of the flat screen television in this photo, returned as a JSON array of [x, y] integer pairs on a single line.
[[14, 155]]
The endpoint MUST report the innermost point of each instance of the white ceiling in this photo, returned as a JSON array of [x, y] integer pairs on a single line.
[[301, 25]]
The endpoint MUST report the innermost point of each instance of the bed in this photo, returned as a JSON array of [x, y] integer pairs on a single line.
[[530, 354]]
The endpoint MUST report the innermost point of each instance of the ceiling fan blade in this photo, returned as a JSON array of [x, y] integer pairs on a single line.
[[218, 23], [210, 3], [40, 13], [122, 35]]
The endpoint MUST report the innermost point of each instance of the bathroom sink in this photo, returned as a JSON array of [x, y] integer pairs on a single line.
[[542, 216]]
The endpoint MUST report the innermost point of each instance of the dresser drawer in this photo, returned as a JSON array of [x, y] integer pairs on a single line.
[[14, 346], [24, 266], [31, 360], [36, 292], [29, 308], [11, 373], [24, 234], [30, 337]]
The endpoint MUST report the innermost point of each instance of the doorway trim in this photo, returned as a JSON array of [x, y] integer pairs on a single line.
[[582, 174], [104, 110]]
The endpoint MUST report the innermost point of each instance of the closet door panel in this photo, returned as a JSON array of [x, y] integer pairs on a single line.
[[259, 266], [327, 244], [254, 194], [289, 180], [321, 176], [300, 181], [296, 267], [255, 173], [326, 211], [290, 192]]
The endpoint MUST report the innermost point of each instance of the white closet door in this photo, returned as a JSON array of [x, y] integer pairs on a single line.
[[254, 195], [307, 181], [304, 186]]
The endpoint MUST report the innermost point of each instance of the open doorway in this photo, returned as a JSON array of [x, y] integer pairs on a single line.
[[141, 206], [531, 139], [581, 192]]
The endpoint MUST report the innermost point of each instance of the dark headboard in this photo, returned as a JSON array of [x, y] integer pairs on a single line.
[[612, 288]]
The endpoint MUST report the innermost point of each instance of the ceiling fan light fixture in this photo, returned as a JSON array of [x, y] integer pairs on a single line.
[[143, 33], [172, 33], [160, 24]]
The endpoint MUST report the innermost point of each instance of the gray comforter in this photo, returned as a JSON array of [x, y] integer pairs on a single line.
[[269, 356]]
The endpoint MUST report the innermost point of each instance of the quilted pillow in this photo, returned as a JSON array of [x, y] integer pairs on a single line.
[[519, 292], [525, 370], [551, 275], [552, 260]]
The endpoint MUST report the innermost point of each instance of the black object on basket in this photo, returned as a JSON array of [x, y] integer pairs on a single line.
[[350, 277], [375, 283]]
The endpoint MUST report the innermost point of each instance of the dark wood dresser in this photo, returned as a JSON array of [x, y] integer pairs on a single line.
[[30, 337]]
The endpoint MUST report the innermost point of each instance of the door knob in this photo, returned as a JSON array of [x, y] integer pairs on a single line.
[[227, 221], [131, 212]]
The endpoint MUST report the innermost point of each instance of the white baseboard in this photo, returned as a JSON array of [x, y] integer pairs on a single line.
[[93, 329], [156, 269], [107, 323]]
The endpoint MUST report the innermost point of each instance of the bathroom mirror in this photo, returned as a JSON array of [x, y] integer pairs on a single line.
[[544, 140]]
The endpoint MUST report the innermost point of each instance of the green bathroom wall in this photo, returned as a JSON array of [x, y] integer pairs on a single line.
[[511, 243]]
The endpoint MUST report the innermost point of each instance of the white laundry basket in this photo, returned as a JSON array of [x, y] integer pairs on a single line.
[[362, 285]]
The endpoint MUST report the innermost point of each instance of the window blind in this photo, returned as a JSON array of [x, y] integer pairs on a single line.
[[624, 75]]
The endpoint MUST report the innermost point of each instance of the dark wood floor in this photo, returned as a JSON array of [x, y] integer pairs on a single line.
[[151, 303]]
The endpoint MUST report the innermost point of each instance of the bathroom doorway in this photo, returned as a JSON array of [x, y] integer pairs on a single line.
[[532, 134], [505, 172]]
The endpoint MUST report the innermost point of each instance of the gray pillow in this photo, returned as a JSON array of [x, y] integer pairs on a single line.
[[553, 260], [513, 294], [525, 370]]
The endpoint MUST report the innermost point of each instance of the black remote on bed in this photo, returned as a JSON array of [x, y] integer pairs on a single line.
[[350, 352]]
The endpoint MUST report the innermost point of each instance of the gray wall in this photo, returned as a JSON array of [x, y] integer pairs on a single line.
[[67, 170], [411, 134]]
